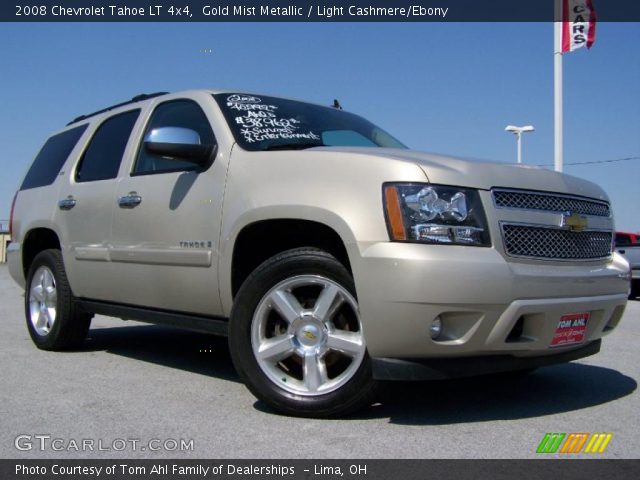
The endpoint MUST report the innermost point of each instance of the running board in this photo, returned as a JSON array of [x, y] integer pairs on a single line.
[[214, 325]]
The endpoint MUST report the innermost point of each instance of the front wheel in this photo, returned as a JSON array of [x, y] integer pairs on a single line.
[[296, 336]]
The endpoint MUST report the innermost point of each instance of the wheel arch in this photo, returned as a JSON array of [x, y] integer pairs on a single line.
[[266, 231], [35, 241], [278, 235]]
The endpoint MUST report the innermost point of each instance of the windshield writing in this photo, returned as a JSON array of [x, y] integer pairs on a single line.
[[269, 123]]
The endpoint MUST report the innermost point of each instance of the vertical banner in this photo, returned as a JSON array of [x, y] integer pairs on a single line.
[[578, 24]]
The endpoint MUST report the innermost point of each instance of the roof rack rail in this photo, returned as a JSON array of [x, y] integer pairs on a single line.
[[137, 98]]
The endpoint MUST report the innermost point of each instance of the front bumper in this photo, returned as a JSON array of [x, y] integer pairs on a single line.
[[445, 368], [482, 300]]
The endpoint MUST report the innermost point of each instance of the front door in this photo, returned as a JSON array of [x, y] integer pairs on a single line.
[[166, 222]]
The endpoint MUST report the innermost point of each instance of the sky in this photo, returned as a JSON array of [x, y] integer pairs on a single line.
[[439, 87]]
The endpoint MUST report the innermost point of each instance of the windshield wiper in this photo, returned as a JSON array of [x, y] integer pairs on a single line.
[[293, 146]]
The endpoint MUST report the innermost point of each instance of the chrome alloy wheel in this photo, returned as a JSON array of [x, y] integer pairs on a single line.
[[43, 299], [306, 335]]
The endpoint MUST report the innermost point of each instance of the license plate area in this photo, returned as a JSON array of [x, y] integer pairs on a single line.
[[571, 329]]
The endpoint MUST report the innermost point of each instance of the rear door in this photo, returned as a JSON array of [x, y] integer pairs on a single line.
[[166, 221], [85, 206]]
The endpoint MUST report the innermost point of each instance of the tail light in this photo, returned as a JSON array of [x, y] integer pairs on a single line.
[[13, 206]]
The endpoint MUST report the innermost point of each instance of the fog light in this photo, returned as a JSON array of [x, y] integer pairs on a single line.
[[436, 328]]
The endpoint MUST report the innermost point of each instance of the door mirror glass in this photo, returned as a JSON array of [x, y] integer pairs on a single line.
[[178, 138], [177, 143]]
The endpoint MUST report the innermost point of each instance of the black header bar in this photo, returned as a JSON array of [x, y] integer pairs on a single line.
[[302, 11], [163, 469]]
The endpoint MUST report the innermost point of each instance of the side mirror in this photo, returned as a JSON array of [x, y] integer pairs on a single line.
[[178, 143]]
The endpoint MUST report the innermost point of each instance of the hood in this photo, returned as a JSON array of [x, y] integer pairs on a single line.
[[446, 170]]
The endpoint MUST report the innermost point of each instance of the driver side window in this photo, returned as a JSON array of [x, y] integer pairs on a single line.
[[176, 113]]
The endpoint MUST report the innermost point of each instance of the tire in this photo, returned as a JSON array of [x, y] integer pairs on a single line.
[[296, 338], [53, 321], [634, 290]]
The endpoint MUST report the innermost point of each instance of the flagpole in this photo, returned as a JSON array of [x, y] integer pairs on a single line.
[[557, 86]]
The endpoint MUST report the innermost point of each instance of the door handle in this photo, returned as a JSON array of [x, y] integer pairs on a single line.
[[622, 251], [67, 203], [130, 201]]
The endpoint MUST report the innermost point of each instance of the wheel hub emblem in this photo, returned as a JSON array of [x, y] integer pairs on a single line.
[[309, 335]]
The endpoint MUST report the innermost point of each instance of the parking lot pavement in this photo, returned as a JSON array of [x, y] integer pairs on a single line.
[[137, 391]]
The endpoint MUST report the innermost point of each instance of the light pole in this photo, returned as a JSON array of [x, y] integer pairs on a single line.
[[518, 131]]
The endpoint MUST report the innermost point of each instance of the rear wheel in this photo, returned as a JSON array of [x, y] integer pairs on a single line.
[[52, 319], [296, 337]]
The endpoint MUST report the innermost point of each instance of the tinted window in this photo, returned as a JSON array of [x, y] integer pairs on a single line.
[[178, 113], [346, 137], [270, 123], [101, 159], [52, 156], [623, 240]]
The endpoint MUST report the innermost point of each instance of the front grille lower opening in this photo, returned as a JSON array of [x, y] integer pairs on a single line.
[[516, 332], [554, 243]]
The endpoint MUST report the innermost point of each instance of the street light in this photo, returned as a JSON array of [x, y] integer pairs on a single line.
[[518, 131]]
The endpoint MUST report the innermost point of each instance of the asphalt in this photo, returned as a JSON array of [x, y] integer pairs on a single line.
[[153, 387]]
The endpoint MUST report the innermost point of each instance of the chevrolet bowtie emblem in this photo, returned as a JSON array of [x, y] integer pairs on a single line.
[[574, 222], [309, 335]]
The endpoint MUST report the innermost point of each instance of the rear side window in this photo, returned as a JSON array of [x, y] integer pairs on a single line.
[[54, 153], [102, 158]]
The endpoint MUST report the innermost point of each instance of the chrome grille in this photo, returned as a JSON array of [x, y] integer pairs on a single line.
[[550, 202], [555, 244]]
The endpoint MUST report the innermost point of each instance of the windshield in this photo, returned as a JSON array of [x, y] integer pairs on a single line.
[[270, 123]]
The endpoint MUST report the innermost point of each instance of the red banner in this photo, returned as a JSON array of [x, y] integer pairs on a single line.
[[578, 24]]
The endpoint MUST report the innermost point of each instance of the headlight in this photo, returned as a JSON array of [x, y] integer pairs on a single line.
[[435, 214]]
